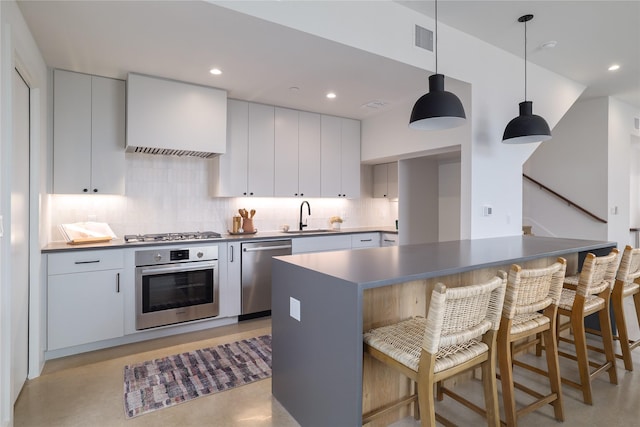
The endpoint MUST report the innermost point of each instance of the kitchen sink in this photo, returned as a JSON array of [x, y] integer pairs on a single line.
[[317, 230]]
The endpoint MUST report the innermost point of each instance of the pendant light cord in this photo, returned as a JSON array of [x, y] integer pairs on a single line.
[[525, 60], [436, 36]]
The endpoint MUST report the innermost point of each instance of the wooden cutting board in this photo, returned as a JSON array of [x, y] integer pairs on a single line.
[[87, 240]]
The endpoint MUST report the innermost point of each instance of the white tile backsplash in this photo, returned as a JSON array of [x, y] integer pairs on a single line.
[[170, 194]]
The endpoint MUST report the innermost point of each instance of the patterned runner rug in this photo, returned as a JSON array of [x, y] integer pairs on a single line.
[[175, 379]]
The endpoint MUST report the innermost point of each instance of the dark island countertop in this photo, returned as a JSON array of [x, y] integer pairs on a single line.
[[383, 266]]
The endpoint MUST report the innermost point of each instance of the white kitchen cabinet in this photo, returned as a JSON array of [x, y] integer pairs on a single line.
[[172, 117], [84, 301], [297, 153], [231, 305], [385, 180], [365, 240], [247, 167], [88, 134], [340, 157], [332, 242], [388, 239]]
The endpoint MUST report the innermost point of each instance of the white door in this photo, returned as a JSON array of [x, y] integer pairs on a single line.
[[19, 263]]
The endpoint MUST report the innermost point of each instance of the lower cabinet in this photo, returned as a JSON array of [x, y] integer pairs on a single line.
[[388, 239], [84, 299], [334, 242], [365, 240]]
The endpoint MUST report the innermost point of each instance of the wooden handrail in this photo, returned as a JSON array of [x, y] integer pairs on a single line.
[[569, 202]]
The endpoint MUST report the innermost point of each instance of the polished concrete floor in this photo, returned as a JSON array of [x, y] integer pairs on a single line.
[[87, 390]]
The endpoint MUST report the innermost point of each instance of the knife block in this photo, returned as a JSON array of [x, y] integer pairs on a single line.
[[247, 225]]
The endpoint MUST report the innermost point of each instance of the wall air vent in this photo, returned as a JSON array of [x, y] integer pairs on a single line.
[[424, 38]]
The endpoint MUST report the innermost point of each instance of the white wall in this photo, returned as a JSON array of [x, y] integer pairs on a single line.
[[591, 160], [491, 171], [418, 194], [18, 50], [449, 200], [621, 132], [169, 194], [573, 163]]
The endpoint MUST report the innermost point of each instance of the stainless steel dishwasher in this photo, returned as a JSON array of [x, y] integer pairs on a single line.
[[256, 273]]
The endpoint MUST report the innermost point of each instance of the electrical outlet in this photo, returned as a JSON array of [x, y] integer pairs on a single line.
[[487, 210], [294, 308]]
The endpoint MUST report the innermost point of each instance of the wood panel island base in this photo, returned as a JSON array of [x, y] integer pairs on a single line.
[[322, 303]]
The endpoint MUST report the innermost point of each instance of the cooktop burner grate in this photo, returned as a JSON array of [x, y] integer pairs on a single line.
[[164, 237]]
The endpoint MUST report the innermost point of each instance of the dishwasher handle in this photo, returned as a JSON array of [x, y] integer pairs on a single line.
[[266, 248]]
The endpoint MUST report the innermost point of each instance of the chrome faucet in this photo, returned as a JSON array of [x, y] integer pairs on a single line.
[[308, 213]]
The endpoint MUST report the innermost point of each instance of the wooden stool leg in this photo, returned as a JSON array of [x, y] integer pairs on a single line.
[[580, 341], [636, 301], [607, 341], [426, 402], [506, 375], [490, 390], [553, 369], [621, 324]]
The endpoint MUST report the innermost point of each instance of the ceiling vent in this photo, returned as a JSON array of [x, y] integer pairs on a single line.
[[424, 38]]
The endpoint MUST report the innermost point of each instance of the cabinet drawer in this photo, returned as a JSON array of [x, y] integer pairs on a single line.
[[389, 239], [81, 261], [365, 240]]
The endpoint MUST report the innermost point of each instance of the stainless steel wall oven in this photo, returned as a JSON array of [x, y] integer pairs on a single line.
[[176, 285]]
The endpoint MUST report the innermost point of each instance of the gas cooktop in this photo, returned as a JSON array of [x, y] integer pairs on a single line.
[[164, 237]]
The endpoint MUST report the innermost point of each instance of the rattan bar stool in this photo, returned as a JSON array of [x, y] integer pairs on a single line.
[[584, 295], [458, 334], [530, 308], [627, 284]]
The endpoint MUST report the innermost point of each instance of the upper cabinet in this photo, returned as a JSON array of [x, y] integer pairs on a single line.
[[88, 134], [297, 153], [273, 151], [340, 157], [171, 117], [247, 167], [385, 180]]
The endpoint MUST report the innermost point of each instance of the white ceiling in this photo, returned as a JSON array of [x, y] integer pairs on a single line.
[[262, 61]]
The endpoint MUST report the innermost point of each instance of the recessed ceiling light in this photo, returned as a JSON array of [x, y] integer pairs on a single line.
[[294, 89], [614, 67], [331, 95], [215, 71]]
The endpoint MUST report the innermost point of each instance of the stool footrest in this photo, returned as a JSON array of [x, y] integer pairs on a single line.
[[372, 415]]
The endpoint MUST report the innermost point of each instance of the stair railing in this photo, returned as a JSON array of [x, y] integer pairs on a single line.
[[569, 202]]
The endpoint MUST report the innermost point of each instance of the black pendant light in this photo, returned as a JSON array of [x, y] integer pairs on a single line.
[[527, 127], [437, 109]]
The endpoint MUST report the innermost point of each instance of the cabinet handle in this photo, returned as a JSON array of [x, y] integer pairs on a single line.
[[88, 262], [95, 190], [85, 190], [366, 240], [302, 194], [231, 254], [389, 241], [251, 194], [117, 282]]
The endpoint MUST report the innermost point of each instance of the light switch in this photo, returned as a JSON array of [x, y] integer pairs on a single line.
[[294, 308]]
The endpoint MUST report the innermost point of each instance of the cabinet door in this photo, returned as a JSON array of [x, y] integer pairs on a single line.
[[321, 243], [392, 180], [365, 240], [83, 308], [229, 170], [286, 153], [330, 156], [108, 133], [71, 132], [260, 170], [309, 154], [350, 160], [380, 188]]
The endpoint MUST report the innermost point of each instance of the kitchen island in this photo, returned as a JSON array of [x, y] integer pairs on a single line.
[[322, 303]]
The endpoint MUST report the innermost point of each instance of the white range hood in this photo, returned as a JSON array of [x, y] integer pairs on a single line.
[[175, 118]]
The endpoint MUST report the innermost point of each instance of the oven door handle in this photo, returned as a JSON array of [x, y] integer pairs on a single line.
[[177, 269]]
